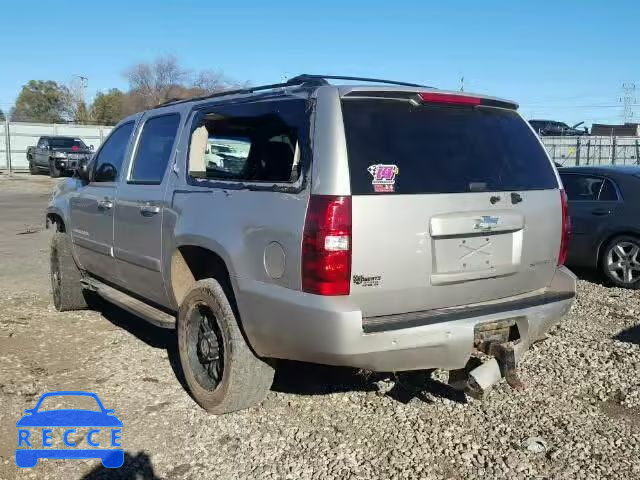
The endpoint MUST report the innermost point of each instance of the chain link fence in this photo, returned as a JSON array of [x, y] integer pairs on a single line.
[[593, 150], [16, 137]]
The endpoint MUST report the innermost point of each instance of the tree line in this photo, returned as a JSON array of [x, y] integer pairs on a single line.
[[150, 83]]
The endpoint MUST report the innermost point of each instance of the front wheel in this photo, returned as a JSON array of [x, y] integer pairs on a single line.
[[222, 372], [620, 262], [54, 172], [66, 286], [33, 170]]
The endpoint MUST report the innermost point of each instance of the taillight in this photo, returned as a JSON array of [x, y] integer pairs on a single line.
[[326, 246], [461, 99], [75, 148], [566, 228], [449, 98]]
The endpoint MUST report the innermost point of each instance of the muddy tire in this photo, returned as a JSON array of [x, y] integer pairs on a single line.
[[222, 372], [54, 172], [33, 170], [66, 288]]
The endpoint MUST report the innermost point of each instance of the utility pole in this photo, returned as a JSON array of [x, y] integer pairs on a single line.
[[628, 101], [81, 86], [462, 83]]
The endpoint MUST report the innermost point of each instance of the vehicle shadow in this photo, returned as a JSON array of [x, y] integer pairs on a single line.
[[589, 275], [135, 467], [298, 378], [630, 335], [153, 336], [301, 378]]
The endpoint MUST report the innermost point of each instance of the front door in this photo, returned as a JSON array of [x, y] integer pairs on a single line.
[[42, 153], [92, 207], [139, 210]]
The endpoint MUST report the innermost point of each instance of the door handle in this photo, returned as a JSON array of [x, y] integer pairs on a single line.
[[148, 210], [105, 204], [600, 212]]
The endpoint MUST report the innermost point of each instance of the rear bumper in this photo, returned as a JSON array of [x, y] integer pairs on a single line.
[[291, 325]]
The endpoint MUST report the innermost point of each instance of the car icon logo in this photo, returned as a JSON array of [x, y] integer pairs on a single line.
[[98, 428]]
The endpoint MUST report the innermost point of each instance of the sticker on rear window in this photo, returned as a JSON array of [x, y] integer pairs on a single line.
[[384, 177]]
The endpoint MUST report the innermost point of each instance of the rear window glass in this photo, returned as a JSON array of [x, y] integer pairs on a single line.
[[399, 147]]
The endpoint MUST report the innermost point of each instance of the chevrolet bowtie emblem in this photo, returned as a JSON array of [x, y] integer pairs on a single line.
[[486, 222]]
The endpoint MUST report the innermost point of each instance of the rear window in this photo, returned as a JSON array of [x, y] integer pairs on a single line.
[[398, 147], [66, 143]]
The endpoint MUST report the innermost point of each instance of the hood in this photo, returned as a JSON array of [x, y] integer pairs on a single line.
[[69, 418], [70, 150]]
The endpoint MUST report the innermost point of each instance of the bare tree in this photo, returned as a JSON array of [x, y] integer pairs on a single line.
[[153, 82], [211, 81]]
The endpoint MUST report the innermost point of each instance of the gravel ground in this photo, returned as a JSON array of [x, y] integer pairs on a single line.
[[582, 398]]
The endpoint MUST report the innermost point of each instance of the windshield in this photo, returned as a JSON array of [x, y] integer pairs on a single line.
[[66, 143], [441, 149], [66, 402]]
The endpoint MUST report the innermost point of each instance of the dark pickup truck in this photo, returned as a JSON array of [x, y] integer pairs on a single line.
[[58, 155]]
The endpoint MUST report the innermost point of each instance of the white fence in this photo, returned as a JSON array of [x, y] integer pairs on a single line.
[[593, 150], [15, 137]]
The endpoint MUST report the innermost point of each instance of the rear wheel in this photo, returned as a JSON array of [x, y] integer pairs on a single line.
[[66, 288], [620, 261], [223, 373], [54, 171]]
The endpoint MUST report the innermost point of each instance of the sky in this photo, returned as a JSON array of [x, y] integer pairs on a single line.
[[562, 60]]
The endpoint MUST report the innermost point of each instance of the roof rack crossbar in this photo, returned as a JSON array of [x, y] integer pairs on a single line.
[[306, 77]]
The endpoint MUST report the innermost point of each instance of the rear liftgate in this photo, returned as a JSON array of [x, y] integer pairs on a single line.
[[500, 341]]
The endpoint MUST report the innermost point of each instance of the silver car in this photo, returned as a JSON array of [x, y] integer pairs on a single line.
[[383, 225]]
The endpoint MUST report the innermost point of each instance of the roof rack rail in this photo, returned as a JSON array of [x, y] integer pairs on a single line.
[[309, 78], [300, 80], [296, 81]]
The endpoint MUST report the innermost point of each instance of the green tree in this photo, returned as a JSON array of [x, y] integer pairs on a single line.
[[42, 101], [1, 115], [107, 107]]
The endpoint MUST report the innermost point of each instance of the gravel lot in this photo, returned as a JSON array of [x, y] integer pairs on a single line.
[[582, 397]]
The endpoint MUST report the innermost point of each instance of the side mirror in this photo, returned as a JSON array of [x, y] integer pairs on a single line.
[[91, 147], [84, 171]]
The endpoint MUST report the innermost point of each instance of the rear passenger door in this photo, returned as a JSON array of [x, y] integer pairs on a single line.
[[593, 201], [139, 209]]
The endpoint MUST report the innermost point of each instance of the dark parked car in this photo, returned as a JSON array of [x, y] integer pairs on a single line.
[[549, 128], [604, 206], [58, 155]]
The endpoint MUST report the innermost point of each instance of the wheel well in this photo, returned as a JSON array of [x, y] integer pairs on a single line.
[[57, 220], [609, 238], [191, 263]]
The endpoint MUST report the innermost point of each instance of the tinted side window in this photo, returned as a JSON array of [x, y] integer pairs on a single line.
[[111, 155], [396, 147], [154, 148], [254, 142], [608, 192], [581, 187]]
